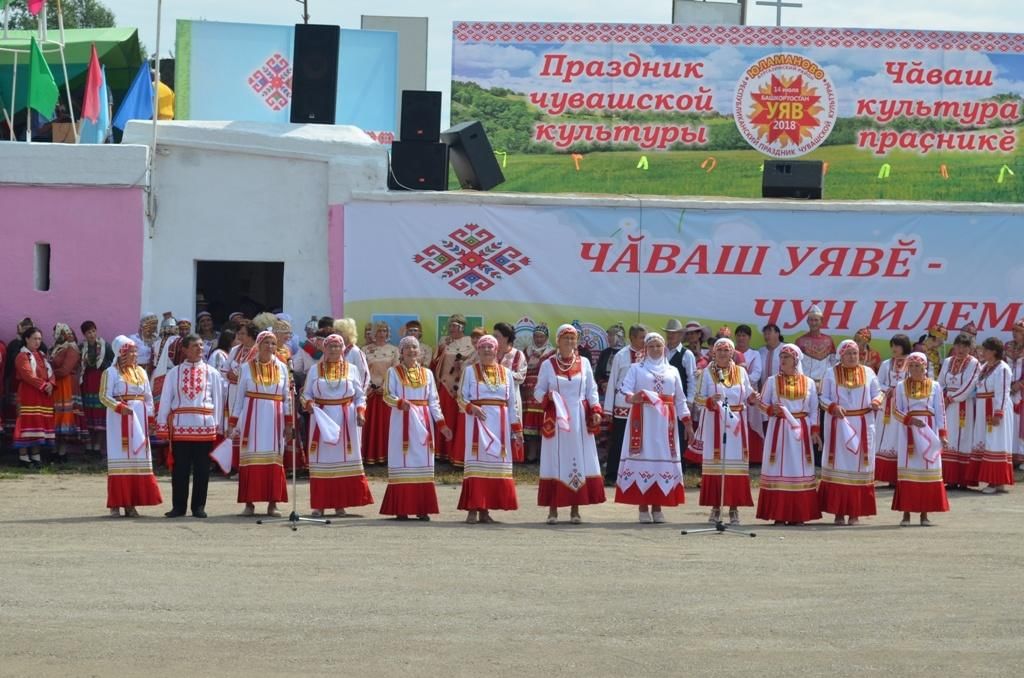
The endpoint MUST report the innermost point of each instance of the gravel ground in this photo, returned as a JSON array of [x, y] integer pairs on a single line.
[[88, 595]]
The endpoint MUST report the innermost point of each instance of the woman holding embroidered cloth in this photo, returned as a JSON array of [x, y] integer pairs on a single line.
[[651, 471], [335, 400]]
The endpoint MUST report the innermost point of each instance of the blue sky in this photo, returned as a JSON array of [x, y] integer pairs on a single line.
[[981, 15]]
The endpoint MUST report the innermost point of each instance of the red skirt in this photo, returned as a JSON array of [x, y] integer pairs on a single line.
[[737, 490], [990, 471], [34, 425], [920, 497], [954, 469], [457, 447], [846, 500], [652, 497], [885, 470], [336, 493], [375, 430], [95, 412], [409, 499], [800, 506], [755, 445], [554, 494], [532, 419], [125, 490], [450, 409], [262, 482], [480, 494]]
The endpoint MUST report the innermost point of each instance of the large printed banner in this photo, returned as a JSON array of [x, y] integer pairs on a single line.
[[695, 110], [893, 272], [233, 71]]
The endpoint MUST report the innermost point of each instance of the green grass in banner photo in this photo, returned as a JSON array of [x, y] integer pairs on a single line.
[[853, 174]]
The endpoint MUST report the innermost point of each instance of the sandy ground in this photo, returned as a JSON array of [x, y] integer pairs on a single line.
[[84, 594]]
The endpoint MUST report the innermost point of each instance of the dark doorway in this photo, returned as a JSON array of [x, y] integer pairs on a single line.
[[223, 287]]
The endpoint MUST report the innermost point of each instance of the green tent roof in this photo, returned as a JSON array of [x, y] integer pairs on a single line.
[[118, 48]]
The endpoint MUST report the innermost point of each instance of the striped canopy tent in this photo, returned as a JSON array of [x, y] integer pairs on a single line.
[[118, 49]]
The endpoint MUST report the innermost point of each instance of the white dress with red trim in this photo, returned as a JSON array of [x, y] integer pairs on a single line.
[[337, 479], [789, 485], [651, 470], [487, 481], [129, 404], [957, 379], [238, 356], [919, 485], [847, 486], [991, 454], [1018, 410], [887, 429], [262, 409], [726, 419], [412, 442], [570, 473]]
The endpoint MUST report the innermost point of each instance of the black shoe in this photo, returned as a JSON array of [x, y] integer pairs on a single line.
[[401, 517], [424, 518], [174, 513], [198, 514]]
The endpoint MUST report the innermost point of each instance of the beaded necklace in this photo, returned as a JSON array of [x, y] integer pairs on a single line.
[[264, 374]]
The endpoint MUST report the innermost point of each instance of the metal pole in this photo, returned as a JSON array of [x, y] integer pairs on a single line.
[[64, 65], [150, 201]]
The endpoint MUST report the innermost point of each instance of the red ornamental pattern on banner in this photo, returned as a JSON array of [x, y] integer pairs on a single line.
[[471, 259], [754, 36], [273, 82]]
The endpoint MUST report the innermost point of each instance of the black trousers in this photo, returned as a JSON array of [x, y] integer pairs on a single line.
[[614, 451], [190, 459]]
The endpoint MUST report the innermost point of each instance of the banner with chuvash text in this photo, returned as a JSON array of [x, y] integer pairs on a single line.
[[696, 110], [893, 272]]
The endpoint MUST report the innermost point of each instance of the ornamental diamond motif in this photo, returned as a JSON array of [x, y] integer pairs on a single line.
[[471, 260], [273, 82]]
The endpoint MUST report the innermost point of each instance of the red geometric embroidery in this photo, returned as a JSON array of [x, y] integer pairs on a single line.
[[750, 36], [273, 82], [472, 260], [193, 381]]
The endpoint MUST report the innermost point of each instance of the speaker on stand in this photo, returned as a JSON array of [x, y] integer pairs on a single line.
[[803, 179], [472, 157], [315, 74], [419, 162]]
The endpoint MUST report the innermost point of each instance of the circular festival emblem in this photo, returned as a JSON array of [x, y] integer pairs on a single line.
[[785, 105]]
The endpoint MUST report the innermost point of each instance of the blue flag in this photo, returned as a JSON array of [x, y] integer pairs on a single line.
[[97, 132], [138, 102]]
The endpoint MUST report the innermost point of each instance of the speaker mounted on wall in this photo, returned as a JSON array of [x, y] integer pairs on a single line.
[[472, 157], [418, 166], [803, 179], [315, 74]]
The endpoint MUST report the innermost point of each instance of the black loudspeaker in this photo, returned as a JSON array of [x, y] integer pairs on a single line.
[[421, 116], [472, 156], [792, 179], [315, 73], [418, 166]]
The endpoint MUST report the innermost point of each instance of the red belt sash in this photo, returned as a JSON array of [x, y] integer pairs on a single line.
[[862, 413]]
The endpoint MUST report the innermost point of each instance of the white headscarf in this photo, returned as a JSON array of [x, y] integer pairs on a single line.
[[792, 350], [659, 366]]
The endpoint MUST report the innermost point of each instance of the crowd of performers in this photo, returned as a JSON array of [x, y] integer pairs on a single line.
[[253, 398]]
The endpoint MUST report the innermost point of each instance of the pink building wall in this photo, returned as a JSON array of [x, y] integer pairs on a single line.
[[95, 236]]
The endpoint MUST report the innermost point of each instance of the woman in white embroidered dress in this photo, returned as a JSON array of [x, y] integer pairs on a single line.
[[789, 487], [240, 355], [922, 417], [725, 392], [262, 417], [492, 424], [887, 429], [651, 471], [125, 392], [850, 397], [957, 378], [570, 473], [412, 395], [331, 392], [991, 454]]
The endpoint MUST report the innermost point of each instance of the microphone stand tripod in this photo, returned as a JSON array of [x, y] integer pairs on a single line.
[[721, 527], [294, 518]]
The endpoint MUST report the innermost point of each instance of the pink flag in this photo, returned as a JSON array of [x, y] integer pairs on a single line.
[[93, 82], [34, 6]]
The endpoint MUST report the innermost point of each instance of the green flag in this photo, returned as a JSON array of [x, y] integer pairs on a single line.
[[42, 89]]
